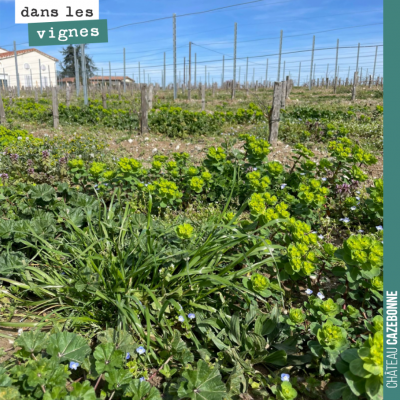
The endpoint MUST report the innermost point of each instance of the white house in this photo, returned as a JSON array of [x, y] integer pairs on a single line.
[[29, 71]]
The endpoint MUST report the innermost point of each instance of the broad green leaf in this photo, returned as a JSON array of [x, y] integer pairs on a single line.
[[46, 371], [234, 328], [4, 379], [373, 386], [203, 383], [107, 358], [12, 263], [118, 378], [276, 358], [68, 346], [347, 394], [334, 390], [56, 393], [82, 391], [142, 391], [42, 192], [356, 383], [349, 355], [236, 382], [342, 366], [264, 325], [9, 393], [356, 368], [289, 345], [122, 340], [179, 349], [32, 341]]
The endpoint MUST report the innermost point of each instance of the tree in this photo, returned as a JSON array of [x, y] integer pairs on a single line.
[[68, 63]]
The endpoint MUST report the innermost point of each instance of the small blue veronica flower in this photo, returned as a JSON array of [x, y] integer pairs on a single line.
[[140, 350], [357, 198], [181, 319], [309, 291], [73, 365], [191, 316], [142, 379], [128, 356], [302, 173], [323, 179], [283, 185], [379, 227], [345, 220], [360, 231], [320, 295], [285, 377], [353, 208], [320, 236]]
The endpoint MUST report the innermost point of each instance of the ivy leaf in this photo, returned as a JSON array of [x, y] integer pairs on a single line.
[[82, 391], [68, 346], [142, 391], [32, 341], [107, 358], [117, 378], [203, 383]]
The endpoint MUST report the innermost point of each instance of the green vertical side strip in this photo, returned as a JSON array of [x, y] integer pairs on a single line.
[[391, 57]]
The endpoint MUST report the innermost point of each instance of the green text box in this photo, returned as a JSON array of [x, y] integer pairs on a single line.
[[68, 32]]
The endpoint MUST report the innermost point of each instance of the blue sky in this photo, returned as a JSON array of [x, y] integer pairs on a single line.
[[258, 27]]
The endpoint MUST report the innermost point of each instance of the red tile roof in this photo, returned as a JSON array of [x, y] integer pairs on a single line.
[[106, 78], [20, 52], [68, 80]]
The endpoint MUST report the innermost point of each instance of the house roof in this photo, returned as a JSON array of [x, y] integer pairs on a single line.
[[68, 80], [106, 78], [9, 54]]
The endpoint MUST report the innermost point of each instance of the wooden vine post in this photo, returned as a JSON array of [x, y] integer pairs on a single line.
[[353, 93], [2, 112], [104, 97], [150, 96], [67, 96], [203, 97], [55, 108], [274, 113], [283, 95], [144, 109], [287, 91]]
